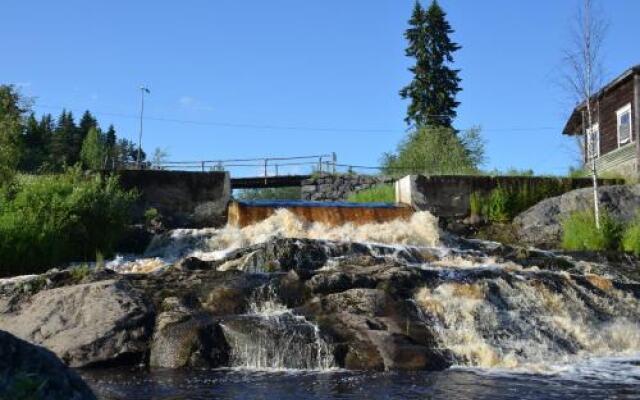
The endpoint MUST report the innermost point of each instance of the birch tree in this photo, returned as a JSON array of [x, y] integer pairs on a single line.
[[584, 77]]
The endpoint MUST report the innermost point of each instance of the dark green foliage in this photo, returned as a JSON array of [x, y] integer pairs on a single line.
[[579, 232], [50, 220], [285, 193], [433, 90], [378, 193], [436, 151]]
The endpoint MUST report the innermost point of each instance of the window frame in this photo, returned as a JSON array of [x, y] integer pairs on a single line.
[[619, 113]]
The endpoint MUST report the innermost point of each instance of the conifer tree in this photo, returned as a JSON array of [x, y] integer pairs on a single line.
[[62, 149], [432, 92]]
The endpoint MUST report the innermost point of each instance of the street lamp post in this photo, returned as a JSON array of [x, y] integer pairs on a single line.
[[143, 90]]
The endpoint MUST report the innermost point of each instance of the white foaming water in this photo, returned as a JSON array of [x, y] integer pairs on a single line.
[[532, 324], [213, 244], [270, 337]]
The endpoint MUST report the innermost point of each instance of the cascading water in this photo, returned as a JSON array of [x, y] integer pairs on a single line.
[[271, 337], [214, 244], [486, 313], [529, 319]]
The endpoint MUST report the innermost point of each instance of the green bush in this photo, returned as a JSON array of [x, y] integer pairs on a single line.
[[376, 194], [631, 237], [579, 232], [50, 220], [436, 150]]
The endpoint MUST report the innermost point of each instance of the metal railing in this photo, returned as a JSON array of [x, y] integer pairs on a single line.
[[269, 166]]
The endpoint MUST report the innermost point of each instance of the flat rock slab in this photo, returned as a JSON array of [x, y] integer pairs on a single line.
[[85, 324]]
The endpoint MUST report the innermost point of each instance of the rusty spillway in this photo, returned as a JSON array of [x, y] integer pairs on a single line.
[[244, 213]]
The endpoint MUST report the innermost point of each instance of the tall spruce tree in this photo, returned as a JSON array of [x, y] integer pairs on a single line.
[[62, 151], [433, 90]]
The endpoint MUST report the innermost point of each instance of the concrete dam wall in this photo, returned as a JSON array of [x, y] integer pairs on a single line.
[[185, 199]]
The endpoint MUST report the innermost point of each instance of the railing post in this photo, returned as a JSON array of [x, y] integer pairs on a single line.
[[202, 166], [276, 169], [334, 158], [320, 165], [266, 160]]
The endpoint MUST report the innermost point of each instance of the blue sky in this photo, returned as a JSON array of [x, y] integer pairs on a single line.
[[302, 65]]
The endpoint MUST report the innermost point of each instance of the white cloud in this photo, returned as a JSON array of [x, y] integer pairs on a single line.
[[192, 103]]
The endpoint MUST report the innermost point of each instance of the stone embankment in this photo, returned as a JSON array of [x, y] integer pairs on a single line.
[[339, 187]]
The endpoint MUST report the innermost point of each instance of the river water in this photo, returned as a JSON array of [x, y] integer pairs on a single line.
[[612, 378]]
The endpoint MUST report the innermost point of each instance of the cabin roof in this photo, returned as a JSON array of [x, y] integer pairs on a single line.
[[574, 123]]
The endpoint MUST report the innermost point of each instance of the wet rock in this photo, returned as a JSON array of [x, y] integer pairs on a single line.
[[186, 338], [33, 372], [85, 324]]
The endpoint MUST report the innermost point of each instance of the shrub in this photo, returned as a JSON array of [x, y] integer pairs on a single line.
[[579, 232], [55, 219], [436, 150], [376, 194], [631, 237]]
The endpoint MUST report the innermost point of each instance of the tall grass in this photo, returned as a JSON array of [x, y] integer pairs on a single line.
[[579, 232], [375, 194], [631, 237]]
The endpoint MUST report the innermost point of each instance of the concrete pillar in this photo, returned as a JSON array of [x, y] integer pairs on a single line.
[[636, 119]]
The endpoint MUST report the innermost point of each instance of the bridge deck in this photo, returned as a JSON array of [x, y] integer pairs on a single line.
[[268, 182]]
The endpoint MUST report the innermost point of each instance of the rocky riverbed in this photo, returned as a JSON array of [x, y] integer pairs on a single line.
[[424, 300]]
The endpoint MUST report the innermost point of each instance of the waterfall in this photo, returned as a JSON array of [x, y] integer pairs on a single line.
[[271, 337], [530, 319]]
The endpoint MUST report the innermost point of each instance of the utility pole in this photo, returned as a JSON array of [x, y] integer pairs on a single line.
[[143, 90]]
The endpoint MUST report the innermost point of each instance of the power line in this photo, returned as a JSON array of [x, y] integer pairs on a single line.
[[287, 127]]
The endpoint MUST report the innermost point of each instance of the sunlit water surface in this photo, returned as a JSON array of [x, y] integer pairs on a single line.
[[614, 378]]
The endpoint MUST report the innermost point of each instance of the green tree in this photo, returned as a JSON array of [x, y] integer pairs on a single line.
[[87, 122], [432, 92], [62, 150], [12, 109], [436, 150], [93, 152]]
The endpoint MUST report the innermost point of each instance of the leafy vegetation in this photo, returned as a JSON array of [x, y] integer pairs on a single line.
[[284, 193], [579, 232], [378, 193], [53, 219], [504, 203], [436, 150], [631, 237]]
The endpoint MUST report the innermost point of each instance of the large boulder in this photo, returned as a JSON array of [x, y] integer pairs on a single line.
[[33, 372], [186, 338], [541, 225], [85, 324]]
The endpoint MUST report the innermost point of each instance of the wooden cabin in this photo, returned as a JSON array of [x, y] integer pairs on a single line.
[[615, 125]]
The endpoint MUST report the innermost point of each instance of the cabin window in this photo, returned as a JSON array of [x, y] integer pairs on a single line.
[[593, 137], [624, 125]]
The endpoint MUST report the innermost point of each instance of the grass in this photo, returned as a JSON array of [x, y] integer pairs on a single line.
[[284, 193], [579, 232], [376, 194], [631, 237]]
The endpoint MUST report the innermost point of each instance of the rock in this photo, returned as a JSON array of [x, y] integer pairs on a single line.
[[85, 324], [540, 225], [33, 372], [185, 338]]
